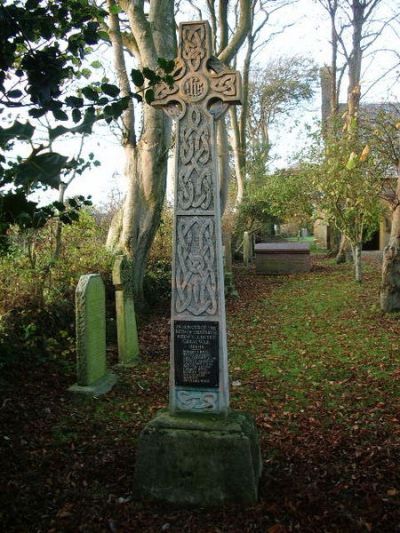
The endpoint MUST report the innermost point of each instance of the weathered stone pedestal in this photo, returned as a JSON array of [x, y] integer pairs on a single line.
[[199, 460]]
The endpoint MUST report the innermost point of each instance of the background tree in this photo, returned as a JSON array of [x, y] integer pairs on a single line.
[[361, 25], [347, 189], [383, 133], [275, 91], [146, 37], [42, 46], [262, 11]]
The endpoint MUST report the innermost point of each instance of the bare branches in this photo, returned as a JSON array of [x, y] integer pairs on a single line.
[[196, 8], [240, 34]]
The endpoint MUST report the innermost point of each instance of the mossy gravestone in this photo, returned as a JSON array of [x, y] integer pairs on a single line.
[[199, 452], [93, 378], [128, 344]]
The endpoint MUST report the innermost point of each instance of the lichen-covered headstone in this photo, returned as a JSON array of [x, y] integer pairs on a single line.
[[128, 344], [90, 312]]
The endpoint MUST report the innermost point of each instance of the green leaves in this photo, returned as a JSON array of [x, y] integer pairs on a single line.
[[90, 93], [149, 96], [18, 130], [352, 161], [137, 77], [74, 101], [43, 168], [14, 94], [115, 9], [151, 75], [110, 90], [166, 65], [76, 115]]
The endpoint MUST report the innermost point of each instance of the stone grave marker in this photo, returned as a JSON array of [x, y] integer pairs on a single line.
[[128, 344], [212, 453], [93, 378], [246, 248]]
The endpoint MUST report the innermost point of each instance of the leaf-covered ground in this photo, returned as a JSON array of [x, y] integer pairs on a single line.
[[312, 358]]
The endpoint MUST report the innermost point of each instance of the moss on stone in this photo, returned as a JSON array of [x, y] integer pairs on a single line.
[[199, 459]]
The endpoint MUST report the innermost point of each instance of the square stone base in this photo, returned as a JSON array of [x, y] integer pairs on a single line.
[[99, 387], [199, 459]]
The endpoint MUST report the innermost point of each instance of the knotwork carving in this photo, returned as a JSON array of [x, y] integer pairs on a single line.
[[225, 84], [194, 162], [195, 277], [197, 401], [195, 47]]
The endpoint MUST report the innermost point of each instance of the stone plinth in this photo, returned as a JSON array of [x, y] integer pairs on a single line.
[[282, 258], [199, 460]]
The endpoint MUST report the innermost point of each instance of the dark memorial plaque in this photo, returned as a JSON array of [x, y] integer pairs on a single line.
[[196, 353]]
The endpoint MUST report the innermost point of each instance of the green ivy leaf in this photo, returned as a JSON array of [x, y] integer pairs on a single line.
[[76, 115], [150, 75], [90, 93], [137, 77], [59, 114], [42, 168], [18, 130], [110, 90], [74, 101], [149, 96], [14, 94], [166, 65]]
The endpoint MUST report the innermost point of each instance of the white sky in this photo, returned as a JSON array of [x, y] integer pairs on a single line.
[[307, 37]]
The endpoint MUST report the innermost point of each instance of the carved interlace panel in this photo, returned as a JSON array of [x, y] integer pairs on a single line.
[[194, 44], [197, 401], [195, 188], [195, 275]]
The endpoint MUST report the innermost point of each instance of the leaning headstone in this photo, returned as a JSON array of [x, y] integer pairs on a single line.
[[199, 452], [93, 378], [128, 344], [246, 248]]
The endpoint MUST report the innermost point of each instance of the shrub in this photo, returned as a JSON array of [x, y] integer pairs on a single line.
[[37, 290]]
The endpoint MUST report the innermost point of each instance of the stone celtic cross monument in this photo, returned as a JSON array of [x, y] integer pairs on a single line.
[[203, 90], [199, 452]]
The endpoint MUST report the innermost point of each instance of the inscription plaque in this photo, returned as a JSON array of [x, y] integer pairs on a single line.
[[196, 353]]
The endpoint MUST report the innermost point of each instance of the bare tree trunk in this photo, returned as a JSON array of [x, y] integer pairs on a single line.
[[356, 251], [390, 287], [224, 170], [132, 231], [341, 254], [237, 156], [59, 225], [147, 164]]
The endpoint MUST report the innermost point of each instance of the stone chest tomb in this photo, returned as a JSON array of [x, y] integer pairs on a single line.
[[282, 258]]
